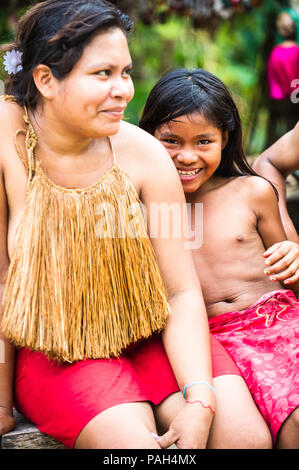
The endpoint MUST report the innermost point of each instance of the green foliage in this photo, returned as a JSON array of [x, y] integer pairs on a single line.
[[235, 52], [231, 53], [6, 32]]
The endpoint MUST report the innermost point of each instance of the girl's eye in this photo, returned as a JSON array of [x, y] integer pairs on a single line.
[[170, 141], [203, 142]]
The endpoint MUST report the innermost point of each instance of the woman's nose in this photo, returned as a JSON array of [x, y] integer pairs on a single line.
[[121, 88]]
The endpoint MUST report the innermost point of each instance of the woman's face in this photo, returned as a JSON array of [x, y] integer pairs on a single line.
[[92, 99], [195, 146]]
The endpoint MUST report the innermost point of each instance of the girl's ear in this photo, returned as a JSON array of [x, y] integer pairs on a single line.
[[44, 81], [225, 137]]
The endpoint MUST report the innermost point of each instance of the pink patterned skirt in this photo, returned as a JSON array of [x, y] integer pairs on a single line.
[[263, 341]]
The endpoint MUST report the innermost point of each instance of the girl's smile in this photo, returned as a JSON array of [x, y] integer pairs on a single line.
[[195, 146], [188, 174]]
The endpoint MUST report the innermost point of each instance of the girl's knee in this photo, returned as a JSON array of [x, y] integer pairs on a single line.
[[248, 434], [258, 437]]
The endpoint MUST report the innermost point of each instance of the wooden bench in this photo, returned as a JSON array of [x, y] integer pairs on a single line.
[[27, 436]]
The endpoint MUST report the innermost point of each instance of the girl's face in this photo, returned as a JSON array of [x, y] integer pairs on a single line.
[[195, 146], [90, 102]]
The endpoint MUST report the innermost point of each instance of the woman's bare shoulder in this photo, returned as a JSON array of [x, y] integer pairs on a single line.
[[11, 119], [9, 109], [133, 130], [143, 144]]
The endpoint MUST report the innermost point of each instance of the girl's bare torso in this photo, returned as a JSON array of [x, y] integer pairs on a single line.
[[230, 263]]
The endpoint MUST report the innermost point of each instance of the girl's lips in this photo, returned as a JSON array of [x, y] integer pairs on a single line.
[[190, 177]]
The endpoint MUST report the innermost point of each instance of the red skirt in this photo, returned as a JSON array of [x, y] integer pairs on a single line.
[[263, 341], [60, 399]]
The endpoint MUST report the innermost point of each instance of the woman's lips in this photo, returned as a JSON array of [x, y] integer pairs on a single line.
[[115, 113]]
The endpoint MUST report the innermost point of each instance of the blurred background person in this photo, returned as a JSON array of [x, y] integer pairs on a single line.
[[282, 70]]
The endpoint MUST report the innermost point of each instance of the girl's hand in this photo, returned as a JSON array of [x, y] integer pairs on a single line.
[[282, 261], [7, 422], [190, 428]]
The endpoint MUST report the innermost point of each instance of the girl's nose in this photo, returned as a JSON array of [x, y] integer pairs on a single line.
[[187, 157]]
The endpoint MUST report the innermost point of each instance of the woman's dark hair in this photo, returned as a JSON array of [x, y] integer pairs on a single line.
[[55, 33], [183, 92]]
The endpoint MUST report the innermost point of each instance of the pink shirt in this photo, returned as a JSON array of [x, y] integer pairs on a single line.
[[282, 69]]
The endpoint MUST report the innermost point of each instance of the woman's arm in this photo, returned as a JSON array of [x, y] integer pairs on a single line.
[[6, 349], [275, 164], [186, 337]]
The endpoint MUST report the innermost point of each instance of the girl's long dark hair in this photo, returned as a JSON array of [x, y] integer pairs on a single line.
[[183, 92]]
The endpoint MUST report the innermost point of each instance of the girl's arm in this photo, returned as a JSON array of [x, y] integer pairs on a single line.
[[6, 349], [186, 337], [281, 256]]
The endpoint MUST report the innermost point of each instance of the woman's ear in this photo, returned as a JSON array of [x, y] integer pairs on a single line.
[[44, 81], [225, 137]]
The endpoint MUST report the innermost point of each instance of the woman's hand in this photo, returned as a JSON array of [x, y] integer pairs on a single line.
[[190, 428], [282, 261], [7, 422]]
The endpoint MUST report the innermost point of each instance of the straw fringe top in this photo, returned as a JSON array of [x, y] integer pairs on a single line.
[[83, 280]]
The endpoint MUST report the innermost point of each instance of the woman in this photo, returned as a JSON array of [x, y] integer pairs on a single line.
[[77, 372]]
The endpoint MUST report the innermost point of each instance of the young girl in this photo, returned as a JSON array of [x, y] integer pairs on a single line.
[[193, 115]]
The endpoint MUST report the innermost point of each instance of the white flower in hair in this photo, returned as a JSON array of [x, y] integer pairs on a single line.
[[13, 61]]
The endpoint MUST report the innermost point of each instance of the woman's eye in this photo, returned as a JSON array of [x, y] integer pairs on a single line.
[[203, 142], [127, 72], [103, 73]]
